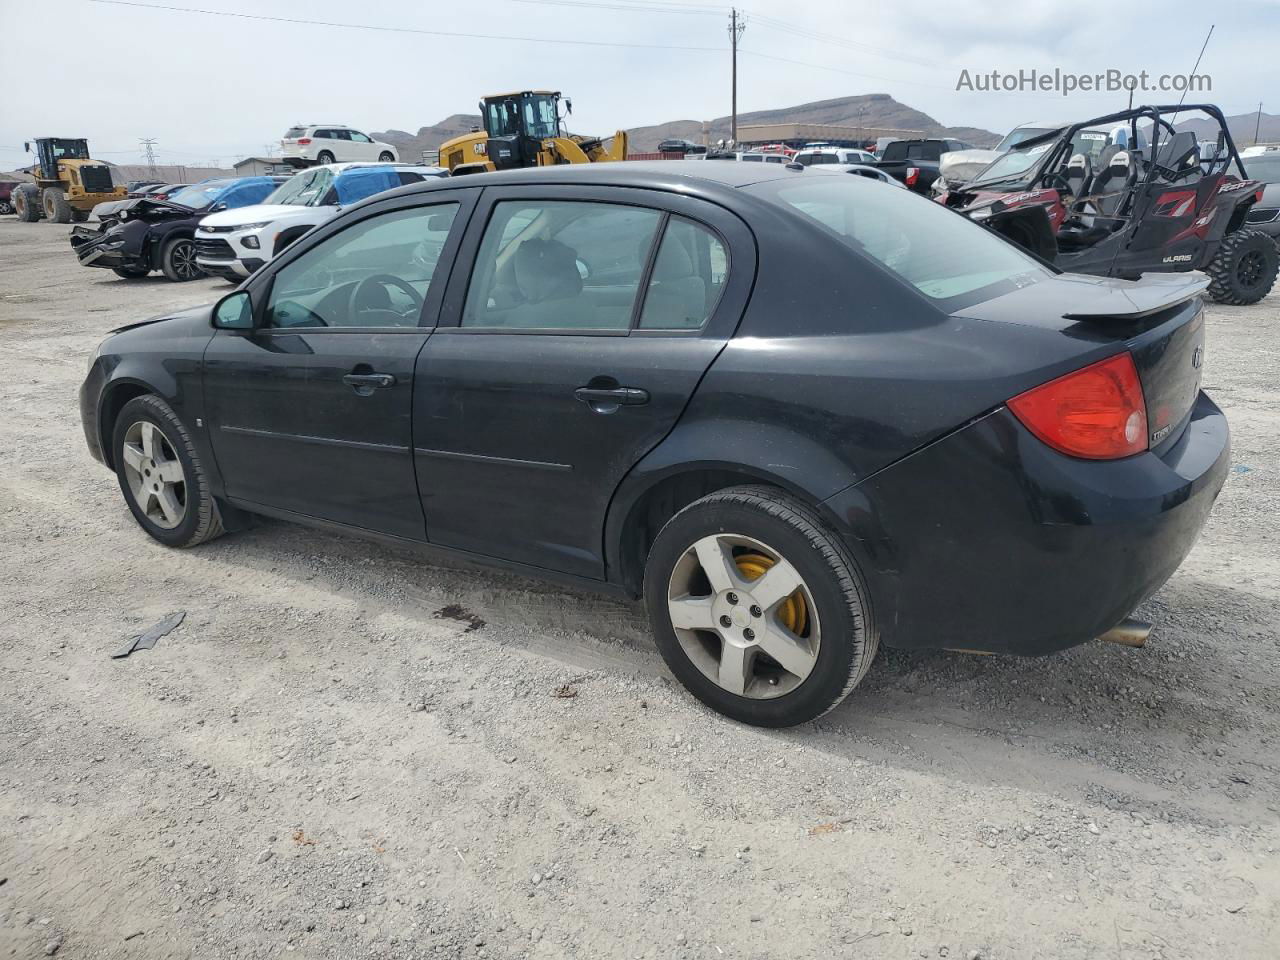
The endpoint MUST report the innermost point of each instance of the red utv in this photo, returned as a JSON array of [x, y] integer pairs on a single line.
[[1127, 194]]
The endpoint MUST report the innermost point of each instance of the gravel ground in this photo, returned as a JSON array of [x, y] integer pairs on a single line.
[[347, 752]]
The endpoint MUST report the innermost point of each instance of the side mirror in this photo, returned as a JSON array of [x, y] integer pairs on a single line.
[[26, 146], [234, 312], [218, 207], [568, 105]]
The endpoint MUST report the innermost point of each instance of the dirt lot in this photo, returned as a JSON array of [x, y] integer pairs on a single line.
[[348, 752]]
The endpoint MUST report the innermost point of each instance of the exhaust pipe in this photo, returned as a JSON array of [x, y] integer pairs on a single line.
[[1129, 632]]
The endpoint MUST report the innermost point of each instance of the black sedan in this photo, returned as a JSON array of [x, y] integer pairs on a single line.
[[799, 413]]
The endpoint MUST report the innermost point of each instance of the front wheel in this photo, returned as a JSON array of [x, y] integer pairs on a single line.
[[757, 608], [56, 208], [161, 475], [1244, 268], [178, 260]]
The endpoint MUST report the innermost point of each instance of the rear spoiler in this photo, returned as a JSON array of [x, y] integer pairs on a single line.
[[1129, 300]]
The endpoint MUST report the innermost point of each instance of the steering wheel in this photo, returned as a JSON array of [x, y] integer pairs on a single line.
[[1057, 181], [362, 293]]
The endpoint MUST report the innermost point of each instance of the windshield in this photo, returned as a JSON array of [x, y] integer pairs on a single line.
[[303, 189], [540, 118], [199, 196], [1015, 137], [944, 256], [72, 149], [1265, 168]]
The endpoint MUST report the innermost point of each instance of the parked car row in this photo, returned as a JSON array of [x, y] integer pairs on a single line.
[[227, 227]]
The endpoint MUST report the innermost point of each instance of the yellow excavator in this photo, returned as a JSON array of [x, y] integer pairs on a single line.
[[526, 129]]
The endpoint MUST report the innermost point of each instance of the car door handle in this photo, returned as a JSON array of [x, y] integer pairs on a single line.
[[369, 380], [628, 396]]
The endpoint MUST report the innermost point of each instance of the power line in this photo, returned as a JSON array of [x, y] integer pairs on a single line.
[[410, 30]]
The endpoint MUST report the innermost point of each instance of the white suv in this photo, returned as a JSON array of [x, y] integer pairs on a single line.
[[332, 143], [811, 156], [235, 243]]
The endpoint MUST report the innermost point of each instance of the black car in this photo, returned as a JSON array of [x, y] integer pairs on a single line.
[[799, 413], [680, 146], [155, 231]]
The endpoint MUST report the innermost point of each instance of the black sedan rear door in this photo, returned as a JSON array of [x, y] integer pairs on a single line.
[[567, 352]]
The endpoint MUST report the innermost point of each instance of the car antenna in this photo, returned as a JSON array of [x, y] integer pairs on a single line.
[[1194, 68]]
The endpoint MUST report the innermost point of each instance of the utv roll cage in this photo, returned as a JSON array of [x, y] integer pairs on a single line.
[[1219, 163]]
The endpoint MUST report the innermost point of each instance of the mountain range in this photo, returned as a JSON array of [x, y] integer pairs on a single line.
[[866, 110]]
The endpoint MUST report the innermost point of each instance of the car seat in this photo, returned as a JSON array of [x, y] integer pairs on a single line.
[[1098, 214], [546, 270], [677, 296], [1079, 175]]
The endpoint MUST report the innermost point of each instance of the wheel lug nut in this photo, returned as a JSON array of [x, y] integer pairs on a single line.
[[749, 634], [732, 598], [756, 611], [726, 622]]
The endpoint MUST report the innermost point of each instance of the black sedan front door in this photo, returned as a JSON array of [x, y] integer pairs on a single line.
[[310, 413], [587, 321]]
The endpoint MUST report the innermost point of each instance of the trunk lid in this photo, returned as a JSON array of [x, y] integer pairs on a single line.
[[1158, 318]]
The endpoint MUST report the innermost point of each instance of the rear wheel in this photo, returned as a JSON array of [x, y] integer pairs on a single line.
[[178, 260], [324, 157], [26, 202], [161, 475], [1244, 268], [386, 157], [56, 208], [757, 608]]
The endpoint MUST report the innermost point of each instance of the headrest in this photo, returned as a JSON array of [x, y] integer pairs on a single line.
[[1078, 161], [546, 270], [1120, 162]]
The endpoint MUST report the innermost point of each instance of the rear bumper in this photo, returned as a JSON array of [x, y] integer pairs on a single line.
[[990, 540]]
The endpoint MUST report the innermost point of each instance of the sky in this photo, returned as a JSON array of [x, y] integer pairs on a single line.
[[213, 87]]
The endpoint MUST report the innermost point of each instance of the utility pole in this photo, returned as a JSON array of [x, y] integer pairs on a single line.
[[1258, 125], [737, 23], [149, 149]]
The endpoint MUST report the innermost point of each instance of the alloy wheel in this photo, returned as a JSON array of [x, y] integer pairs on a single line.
[[155, 474], [184, 261], [744, 616]]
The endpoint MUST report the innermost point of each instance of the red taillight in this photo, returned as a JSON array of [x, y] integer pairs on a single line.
[[303, 141], [1097, 412], [913, 174]]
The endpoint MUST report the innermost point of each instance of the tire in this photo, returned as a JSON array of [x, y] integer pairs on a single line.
[[386, 157], [324, 158], [79, 216], [1244, 268], [178, 260], [194, 518], [832, 639], [6, 208], [26, 202], [130, 273], [56, 208]]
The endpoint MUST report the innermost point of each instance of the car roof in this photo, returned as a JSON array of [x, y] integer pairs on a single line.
[[341, 168], [673, 176]]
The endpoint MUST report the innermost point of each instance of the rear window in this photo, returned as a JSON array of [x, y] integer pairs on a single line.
[[949, 259], [293, 133]]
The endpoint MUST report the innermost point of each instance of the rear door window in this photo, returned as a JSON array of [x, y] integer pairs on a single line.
[[688, 275], [560, 265]]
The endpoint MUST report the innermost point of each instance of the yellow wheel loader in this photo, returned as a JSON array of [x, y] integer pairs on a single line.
[[68, 184], [526, 129]]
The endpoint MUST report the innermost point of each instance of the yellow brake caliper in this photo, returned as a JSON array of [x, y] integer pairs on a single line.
[[793, 613]]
